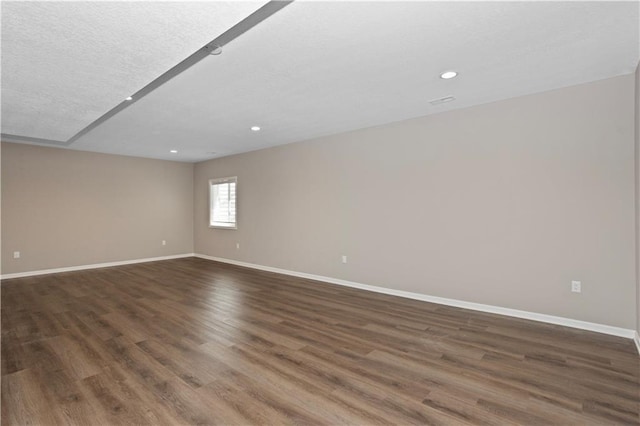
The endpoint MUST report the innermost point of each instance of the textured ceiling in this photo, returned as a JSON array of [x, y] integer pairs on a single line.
[[64, 64], [318, 68]]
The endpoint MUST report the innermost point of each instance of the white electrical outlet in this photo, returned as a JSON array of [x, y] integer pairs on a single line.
[[237, 246], [344, 259], [16, 255], [576, 286], [164, 242]]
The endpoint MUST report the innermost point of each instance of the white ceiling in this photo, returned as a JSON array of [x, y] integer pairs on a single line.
[[312, 69], [64, 64]]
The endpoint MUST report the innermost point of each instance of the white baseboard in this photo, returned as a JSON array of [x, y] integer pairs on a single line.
[[94, 266], [567, 322]]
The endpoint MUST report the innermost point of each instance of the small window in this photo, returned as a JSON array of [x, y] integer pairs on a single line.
[[222, 203]]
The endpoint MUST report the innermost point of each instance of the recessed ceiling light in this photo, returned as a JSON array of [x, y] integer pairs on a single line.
[[128, 98], [442, 100], [214, 49], [174, 151], [448, 74], [255, 128]]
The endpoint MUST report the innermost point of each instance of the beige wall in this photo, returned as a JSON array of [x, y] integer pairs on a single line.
[[637, 122], [67, 208], [502, 204]]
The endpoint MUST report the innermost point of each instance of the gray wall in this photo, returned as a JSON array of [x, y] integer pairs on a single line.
[[502, 204], [67, 208]]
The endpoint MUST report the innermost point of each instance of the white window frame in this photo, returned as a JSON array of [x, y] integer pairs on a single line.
[[223, 225]]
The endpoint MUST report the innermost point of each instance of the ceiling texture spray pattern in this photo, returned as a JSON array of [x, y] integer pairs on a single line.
[[311, 69], [64, 64]]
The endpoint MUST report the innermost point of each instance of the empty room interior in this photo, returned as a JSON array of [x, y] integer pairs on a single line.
[[320, 212]]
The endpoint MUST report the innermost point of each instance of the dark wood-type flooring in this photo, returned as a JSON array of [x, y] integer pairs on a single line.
[[191, 341]]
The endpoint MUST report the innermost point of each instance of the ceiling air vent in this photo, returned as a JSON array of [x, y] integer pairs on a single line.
[[442, 100]]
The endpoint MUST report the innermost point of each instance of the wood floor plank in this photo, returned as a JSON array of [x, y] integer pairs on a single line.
[[190, 341], [281, 411], [75, 358], [13, 358], [23, 401]]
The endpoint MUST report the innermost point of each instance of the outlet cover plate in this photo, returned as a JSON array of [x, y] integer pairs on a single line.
[[576, 286]]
